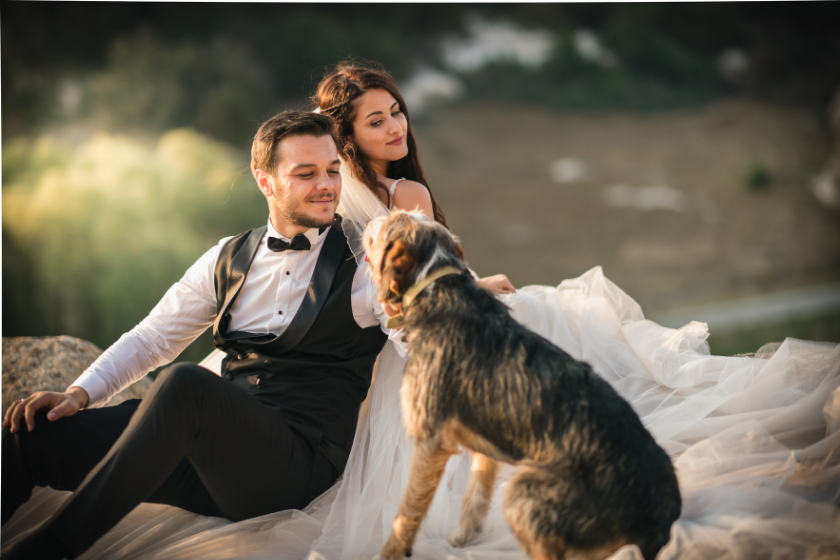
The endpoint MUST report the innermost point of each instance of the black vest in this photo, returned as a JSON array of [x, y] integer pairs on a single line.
[[318, 371]]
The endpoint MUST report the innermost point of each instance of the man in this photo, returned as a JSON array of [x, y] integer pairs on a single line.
[[301, 329]]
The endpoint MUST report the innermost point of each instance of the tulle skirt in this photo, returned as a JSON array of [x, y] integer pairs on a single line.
[[755, 442]]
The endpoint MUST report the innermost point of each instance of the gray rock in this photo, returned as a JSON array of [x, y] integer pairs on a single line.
[[51, 363]]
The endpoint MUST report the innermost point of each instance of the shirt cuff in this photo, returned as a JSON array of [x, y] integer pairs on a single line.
[[95, 387]]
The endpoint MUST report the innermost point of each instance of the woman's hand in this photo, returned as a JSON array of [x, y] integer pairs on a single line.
[[496, 284]]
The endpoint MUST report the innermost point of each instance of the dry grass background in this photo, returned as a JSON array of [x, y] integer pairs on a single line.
[[489, 166]]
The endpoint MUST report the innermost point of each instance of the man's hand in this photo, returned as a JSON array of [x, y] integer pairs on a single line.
[[498, 284], [59, 404]]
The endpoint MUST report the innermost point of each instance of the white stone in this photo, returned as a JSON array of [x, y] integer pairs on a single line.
[[568, 170], [653, 197], [497, 41], [428, 86]]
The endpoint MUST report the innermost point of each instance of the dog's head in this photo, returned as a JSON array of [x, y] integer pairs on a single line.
[[404, 248]]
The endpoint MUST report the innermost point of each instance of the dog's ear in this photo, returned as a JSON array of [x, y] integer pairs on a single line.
[[397, 265]]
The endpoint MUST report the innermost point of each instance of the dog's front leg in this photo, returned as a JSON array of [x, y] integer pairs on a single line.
[[427, 464], [476, 502]]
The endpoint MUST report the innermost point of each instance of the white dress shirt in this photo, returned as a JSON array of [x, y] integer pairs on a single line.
[[271, 295]]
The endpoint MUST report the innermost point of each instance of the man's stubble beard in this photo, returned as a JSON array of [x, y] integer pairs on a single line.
[[305, 220]]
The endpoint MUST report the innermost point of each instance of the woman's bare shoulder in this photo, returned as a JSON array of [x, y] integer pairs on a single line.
[[406, 186], [411, 195]]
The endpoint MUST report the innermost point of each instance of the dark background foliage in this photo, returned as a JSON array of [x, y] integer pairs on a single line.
[[228, 66], [126, 126]]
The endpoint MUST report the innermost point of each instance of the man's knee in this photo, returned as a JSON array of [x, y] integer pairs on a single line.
[[11, 451], [42, 434], [182, 380], [36, 457], [16, 481]]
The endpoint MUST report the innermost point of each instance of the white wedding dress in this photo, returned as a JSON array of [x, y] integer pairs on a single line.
[[755, 442]]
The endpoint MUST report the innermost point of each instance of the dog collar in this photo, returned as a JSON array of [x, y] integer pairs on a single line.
[[396, 321]]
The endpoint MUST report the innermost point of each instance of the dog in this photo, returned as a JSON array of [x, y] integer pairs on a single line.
[[589, 479]]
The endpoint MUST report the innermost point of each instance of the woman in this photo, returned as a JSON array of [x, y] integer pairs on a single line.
[[378, 149], [756, 441]]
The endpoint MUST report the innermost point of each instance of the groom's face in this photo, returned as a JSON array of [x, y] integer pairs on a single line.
[[306, 186]]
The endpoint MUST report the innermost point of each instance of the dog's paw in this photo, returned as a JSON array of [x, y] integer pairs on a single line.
[[458, 537], [393, 550], [381, 557]]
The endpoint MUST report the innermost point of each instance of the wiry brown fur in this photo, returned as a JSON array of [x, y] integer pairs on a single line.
[[590, 478]]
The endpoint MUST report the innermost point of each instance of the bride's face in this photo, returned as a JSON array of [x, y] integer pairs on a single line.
[[380, 128]]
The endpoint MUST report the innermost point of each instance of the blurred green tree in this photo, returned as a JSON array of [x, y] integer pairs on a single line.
[[220, 88], [100, 230]]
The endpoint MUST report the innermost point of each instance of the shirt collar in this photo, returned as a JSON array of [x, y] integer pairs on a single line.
[[314, 235]]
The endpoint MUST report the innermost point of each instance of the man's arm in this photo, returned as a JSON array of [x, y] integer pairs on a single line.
[[185, 311]]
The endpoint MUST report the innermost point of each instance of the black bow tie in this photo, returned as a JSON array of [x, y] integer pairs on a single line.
[[298, 243]]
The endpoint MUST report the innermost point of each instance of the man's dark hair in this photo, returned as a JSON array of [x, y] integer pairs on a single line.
[[283, 125]]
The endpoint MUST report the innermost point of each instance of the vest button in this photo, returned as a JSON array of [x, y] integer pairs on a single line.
[[267, 362], [228, 376]]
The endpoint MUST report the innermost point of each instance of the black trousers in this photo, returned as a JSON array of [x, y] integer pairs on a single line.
[[195, 441]]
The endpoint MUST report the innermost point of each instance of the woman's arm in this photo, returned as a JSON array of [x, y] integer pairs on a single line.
[[496, 284], [410, 195]]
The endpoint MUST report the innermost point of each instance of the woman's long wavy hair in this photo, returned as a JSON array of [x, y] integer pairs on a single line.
[[336, 95]]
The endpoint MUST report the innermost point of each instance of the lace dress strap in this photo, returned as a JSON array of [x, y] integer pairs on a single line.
[[391, 191]]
